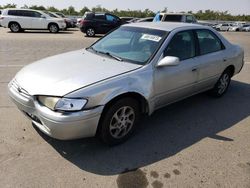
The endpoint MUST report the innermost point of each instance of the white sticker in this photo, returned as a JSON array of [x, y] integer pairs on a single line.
[[151, 37]]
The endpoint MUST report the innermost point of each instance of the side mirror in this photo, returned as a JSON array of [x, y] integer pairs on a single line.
[[42, 16], [168, 61]]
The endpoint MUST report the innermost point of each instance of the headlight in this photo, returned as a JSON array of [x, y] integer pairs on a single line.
[[62, 104]]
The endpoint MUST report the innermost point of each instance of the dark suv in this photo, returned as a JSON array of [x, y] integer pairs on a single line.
[[99, 23]]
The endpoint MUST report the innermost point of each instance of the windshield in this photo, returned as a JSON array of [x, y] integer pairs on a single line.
[[132, 44]]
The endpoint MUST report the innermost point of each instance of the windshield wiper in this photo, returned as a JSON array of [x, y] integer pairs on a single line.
[[105, 53], [110, 55]]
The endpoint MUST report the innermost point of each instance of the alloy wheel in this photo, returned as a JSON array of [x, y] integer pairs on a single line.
[[121, 122]]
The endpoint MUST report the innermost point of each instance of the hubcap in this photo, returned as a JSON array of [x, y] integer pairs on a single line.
[[122, 122], [53, 28], [14, 27], [224, 81], [90, 32]]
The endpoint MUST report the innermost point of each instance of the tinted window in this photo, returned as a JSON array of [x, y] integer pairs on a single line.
[[100, 17], [173, 18], [12, 12], [182, 46], [208, 42]]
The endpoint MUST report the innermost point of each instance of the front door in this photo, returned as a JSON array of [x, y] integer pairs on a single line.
[[172, 83]]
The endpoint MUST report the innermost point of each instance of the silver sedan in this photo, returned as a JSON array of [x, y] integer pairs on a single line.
[[138, 68]]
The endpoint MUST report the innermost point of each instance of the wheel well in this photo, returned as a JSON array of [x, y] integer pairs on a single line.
[[231, 69], [13, 22], [138, 97], [53, 23], [141, 100]]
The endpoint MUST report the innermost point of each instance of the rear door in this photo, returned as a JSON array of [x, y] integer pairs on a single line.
[[99, 23], [211, 58], [21, 17]]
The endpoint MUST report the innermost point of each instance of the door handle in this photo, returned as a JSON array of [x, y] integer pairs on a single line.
[[194, 69], [224, 60]]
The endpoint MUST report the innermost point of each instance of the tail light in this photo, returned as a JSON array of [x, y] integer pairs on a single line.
[[82, 22], [65, 20], [1, 18]]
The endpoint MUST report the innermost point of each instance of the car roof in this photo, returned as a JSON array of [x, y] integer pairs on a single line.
[[165, 26], [172, 13]]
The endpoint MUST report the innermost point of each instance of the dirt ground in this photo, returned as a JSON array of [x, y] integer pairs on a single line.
[[198, 142]]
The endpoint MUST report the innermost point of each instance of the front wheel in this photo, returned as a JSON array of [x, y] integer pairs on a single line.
[[53, 28], [119, 121], [222, 84]]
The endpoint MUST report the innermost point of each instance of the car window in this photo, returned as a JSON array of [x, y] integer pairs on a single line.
[[208, 42], [189, 19], [173, 18], [100, 17], [36, 14], [111, 18], [182, 45]]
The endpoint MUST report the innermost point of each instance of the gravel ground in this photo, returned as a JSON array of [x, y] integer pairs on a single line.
[[198, 142]]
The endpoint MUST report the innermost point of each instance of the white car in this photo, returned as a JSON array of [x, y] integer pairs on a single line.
[[20, 19], [246, 27], [223, 27]]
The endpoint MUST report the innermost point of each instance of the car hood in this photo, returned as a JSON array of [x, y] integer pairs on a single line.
[[61, 74]]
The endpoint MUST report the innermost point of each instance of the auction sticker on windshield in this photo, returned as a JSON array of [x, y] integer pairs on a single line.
[[151, 37]]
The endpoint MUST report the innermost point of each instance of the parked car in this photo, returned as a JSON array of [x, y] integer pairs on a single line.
[[138, 68], [177, 17], [246, 27], [20, 19], [70, 22], [0, 17], [126, 19], [236, 27], [99, 23], [223, 27], [148, 19]]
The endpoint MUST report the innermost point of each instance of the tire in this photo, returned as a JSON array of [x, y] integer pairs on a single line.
[[53, 28], [90, 32], [119, 121], [222, 84], [15, 27]]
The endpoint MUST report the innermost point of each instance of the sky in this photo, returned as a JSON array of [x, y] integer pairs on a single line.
[[233, 6]]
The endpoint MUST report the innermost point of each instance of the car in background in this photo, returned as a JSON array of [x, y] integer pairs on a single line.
[[246, 27], [104, 89], [99, 23], [148, 19], [126, 19], [20, 19], [177, 17], [69, 21], [236, 27], [0, 17], [223, 26]]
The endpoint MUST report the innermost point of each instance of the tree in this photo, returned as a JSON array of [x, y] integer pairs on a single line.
[[83, 10], [52, 9], [35, 7]]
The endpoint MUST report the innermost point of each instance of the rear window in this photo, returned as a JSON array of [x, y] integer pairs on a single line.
[[173, 18]]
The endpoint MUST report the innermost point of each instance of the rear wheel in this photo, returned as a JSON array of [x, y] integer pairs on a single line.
[[15, 27], [90, 32], [119, 121], [222, 84], [53, 28]]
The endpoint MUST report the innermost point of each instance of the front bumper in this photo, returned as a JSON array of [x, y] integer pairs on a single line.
[[63, 126]]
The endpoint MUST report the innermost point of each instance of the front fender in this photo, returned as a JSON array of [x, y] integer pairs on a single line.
[[139, 81]]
